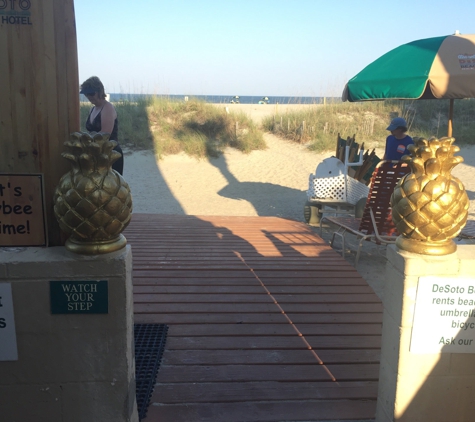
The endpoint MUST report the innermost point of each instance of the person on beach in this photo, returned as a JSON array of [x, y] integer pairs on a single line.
[[398, 141], [103, 116]]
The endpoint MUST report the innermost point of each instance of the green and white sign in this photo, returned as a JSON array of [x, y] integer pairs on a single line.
[[8, 346], [444, 316], [79, 297]]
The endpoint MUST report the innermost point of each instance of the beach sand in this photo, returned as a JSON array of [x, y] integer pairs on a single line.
[[272, 182]]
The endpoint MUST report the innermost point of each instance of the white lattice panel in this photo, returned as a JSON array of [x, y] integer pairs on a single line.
[[333, 188]]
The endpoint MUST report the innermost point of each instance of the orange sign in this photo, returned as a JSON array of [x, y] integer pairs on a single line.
[[22, 214]]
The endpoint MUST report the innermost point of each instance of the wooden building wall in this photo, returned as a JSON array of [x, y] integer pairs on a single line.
[[39, 100]]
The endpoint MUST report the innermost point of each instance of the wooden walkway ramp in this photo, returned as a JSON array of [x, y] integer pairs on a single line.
[[267, 322]]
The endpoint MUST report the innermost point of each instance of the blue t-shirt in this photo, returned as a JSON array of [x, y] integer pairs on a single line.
[[396, 148]]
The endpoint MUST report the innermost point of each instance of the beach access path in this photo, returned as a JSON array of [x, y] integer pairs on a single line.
[[266, 321]]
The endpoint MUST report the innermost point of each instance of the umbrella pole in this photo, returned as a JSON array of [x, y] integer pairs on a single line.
[[451, 116]]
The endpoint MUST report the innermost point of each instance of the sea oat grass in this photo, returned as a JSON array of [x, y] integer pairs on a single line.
[[319, 126], [194, 127]]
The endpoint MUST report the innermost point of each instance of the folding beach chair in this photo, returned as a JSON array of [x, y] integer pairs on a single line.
[[376, 225]]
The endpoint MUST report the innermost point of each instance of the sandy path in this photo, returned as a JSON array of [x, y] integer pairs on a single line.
[[270, 182]]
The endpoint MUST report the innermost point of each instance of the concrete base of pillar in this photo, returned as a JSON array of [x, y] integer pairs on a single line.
[[70, 367], [422, 387]]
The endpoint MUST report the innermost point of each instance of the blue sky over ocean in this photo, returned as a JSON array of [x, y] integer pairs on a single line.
[[241, 47]]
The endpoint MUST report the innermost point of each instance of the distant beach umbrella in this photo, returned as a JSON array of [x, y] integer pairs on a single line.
[[431, 68]]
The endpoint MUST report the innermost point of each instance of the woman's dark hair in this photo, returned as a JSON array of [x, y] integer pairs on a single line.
[[95, 84]]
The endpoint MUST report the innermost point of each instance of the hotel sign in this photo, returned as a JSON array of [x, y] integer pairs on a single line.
[[15, 12]]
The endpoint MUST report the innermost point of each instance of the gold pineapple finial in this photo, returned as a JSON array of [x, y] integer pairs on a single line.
[[93, 203], [429, 205]]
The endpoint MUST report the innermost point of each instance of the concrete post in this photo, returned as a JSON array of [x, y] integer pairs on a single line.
[[71, 367], [432, 385]]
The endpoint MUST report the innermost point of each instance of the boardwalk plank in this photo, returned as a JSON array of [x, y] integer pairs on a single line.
[[258, 357], [261, 297], [284, 410], [256, 308], [273, 329], [251, 289], [230, 392], [274, 342], [216, 278], [255, 318], [251, 373]]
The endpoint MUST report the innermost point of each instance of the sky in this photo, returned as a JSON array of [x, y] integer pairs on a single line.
[[250, 47]]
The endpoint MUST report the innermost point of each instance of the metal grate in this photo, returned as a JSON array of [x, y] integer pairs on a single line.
[[149, 346]]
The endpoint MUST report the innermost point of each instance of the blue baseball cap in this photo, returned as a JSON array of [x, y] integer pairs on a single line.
[[397, 122]]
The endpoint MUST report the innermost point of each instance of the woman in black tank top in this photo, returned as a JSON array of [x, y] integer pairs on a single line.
[[102, 117]]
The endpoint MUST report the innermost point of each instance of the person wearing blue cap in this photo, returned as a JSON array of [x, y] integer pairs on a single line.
[[398, 141], [102, 117]]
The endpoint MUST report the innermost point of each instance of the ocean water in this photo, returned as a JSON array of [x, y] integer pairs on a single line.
[[222, 99]]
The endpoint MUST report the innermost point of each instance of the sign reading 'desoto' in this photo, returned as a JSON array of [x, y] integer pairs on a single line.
[[8, 347], [79, 297], [14, 12], [444, 316], [22, 216]]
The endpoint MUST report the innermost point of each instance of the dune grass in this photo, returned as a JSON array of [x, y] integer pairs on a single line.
[[203, 130], [194, 127], [318, 126]]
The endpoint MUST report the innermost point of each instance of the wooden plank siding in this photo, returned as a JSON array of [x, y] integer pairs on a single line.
[[267, 322], [39, 94]]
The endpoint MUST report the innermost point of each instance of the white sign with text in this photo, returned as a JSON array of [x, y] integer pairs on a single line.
[[444, 316], [8, 347]]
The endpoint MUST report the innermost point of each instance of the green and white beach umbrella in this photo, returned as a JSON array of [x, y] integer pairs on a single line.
[[431, 68]]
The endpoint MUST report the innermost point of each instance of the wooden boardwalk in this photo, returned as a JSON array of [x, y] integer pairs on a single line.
[[267, 322]]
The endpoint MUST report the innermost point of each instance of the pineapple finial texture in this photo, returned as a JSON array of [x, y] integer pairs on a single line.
[[93, 203], [429, 204]]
